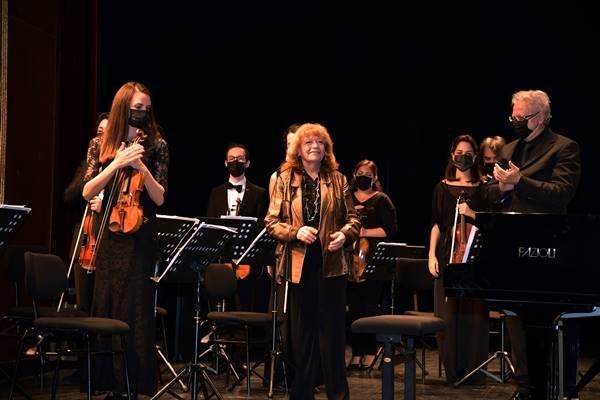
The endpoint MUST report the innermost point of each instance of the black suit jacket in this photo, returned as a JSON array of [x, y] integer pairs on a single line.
[[550, 176], [254, 203]]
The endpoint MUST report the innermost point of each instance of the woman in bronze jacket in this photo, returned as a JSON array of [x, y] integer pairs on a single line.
[[311, 211]]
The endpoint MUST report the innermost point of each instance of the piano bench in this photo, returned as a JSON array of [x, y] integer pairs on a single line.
[[391, 329]]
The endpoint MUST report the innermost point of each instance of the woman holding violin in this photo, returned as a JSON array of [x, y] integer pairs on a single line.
[[378, 217], [464, 345], [129, 161]]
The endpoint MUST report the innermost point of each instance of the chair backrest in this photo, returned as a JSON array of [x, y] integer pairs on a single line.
[[45, 276], [413, 274], [220, 281]]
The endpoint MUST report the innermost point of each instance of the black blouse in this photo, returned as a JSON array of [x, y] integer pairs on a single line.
[[378, 211]]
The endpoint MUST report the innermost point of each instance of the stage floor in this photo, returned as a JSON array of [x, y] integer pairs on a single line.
[[362, 386]]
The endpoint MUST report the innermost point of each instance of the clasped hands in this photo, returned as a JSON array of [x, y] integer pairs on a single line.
[[507, 178], [308, 235], [130, 156]]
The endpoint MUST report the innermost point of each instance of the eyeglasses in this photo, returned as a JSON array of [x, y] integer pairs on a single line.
[[236, 158], [517, 118]]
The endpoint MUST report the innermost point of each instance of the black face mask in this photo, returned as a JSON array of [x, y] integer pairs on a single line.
[[520, 128], [138, 118], [463, 161], [488, 169], [236, 168], [364, 182]]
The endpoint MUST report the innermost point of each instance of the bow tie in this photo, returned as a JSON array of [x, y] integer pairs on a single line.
[[236, 187]]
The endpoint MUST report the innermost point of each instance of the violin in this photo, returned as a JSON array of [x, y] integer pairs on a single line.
[[460, 233], [127, 215], [88, 243], [361, 248], [241, 271]]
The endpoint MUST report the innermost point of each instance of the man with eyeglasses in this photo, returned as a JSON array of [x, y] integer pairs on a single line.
[[542, 176], [240, 197]]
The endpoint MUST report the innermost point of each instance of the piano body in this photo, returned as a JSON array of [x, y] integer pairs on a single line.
[[531, 258]]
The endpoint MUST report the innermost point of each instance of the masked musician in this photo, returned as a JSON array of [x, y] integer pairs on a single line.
[[125, 260], [378, 217], [464, 345]]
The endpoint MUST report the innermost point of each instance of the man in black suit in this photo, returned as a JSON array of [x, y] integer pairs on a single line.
[[542, 176], [240, 197]]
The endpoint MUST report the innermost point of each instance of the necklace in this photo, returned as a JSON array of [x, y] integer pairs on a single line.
[[312, 200]]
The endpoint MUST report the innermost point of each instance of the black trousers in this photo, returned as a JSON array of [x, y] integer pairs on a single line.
[[318, 330], [363, 301], [84, 288]]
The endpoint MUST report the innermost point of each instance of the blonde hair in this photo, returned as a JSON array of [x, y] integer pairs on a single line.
[[292, 160], [535, 97]]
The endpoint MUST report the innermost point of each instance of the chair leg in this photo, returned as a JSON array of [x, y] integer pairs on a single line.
[[89, 366], [387, 371], [423, 368], [17, 364], [55, 377], [410, 370], [124, 354], [248, 367]]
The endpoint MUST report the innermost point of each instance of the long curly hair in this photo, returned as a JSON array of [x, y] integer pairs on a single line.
[[292, 159]]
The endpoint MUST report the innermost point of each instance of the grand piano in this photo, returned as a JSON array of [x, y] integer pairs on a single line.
[[531, 258], [541, 265]]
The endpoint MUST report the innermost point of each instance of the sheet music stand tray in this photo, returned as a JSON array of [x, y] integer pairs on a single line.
[[196, 249], [246, 231], [11, 218]]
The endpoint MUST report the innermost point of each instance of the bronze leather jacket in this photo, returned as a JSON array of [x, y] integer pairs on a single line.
[[337, 214]]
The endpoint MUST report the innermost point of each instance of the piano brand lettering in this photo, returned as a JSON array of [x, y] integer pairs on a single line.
[[537, 252]]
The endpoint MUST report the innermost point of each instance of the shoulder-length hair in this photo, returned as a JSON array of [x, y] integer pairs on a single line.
[[373, 168], [118, 125], [450, 174], [292, 160]]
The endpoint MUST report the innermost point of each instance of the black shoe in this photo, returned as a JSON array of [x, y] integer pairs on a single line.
[[517, 395]]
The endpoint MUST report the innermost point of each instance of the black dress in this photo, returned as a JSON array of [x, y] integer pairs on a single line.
[[122, 287], [364, 297], [465, 343]]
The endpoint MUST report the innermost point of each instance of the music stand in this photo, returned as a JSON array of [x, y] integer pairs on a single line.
[[172, 231], [196, 250], [262, 250], [11, 218]]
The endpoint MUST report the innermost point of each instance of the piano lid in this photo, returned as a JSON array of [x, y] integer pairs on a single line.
[[539, 258]]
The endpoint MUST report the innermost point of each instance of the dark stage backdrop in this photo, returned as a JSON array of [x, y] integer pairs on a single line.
[[392, 81]]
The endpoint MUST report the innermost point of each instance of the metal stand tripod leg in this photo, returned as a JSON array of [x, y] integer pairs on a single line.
[[505, 362], [197, 371], [163, 358], [219, 351], [276, 353]]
